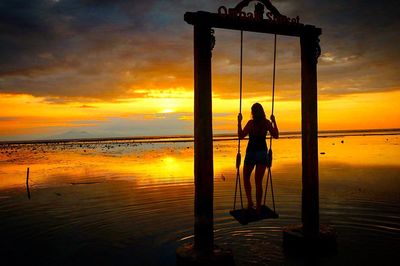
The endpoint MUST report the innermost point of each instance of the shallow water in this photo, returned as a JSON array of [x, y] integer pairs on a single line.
[[132, 204]]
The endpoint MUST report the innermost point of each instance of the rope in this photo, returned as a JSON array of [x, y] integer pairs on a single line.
[[238, 156], [273, 88], [240, 80], [273, 77], [269, 173]]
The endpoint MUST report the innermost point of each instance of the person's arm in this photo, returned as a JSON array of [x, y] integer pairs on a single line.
[[274, 128], [242, 133]]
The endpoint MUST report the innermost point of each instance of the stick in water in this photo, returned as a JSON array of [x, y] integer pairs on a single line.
[[27, 183]]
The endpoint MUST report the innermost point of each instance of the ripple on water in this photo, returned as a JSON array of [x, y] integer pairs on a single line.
[[124, 218]]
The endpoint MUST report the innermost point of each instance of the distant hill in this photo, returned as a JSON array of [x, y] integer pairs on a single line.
[[76, 136], [73, 134]]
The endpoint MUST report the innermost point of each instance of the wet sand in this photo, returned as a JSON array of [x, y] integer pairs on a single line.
[[125, 203]]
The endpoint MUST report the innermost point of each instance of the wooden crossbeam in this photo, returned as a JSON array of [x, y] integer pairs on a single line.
[[214, 20]]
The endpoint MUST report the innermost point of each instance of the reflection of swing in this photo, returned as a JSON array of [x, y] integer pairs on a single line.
[[244, 216]]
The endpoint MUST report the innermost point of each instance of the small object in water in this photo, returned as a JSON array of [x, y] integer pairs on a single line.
[[27, 183], [84, 150], [342, 141], [85, 183], [223, 177], [323, 153], [58, 194], [333, 143]]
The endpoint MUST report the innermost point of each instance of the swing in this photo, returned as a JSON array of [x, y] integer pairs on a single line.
[[245, 216]]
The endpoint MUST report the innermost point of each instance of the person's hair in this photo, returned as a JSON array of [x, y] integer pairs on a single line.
[[258, 113]]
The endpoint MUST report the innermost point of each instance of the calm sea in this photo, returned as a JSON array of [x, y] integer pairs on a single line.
[[130, 202]]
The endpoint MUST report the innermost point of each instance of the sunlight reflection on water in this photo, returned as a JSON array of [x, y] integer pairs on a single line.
[[124, 202]]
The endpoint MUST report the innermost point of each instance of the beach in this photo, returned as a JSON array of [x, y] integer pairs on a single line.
[[128, 202]]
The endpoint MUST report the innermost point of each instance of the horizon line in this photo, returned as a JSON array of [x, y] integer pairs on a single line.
[[189, 138]]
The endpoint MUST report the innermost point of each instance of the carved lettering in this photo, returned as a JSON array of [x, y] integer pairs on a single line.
[[222, 11], [232, 12], [242, 14], [258, 15]]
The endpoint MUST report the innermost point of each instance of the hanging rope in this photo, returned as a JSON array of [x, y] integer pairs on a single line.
[[269, 173], [239, 156]]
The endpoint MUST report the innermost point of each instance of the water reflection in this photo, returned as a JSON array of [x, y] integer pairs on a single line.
[[172, 162], [126, 202]]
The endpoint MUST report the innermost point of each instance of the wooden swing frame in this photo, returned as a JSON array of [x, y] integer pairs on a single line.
[[204, 41]]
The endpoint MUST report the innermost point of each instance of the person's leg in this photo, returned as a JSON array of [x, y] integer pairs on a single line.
[[259, 174], [247, 169]]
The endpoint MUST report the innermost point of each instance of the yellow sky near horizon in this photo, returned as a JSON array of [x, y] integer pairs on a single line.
[[27, 114]]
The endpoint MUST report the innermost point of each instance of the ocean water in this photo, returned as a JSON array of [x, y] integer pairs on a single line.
[[131, 203]]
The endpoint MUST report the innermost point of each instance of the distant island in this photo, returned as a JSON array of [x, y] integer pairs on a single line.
[[82, 136]]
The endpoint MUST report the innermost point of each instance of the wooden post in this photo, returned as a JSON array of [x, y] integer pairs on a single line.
[[27, 183], [310, 194], [203, 142], [310, 236]]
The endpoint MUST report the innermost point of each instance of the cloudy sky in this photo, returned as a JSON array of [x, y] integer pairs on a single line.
[[104, 68]]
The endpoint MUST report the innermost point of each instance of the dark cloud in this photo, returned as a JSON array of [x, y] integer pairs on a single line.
[[361, 38], [7, 119], [83, 48], [85, 106], [108, 49]]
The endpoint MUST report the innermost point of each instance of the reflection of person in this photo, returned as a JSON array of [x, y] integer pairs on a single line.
[[257, 151]]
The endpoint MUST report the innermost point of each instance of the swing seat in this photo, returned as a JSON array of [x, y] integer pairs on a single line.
[[245, 216]]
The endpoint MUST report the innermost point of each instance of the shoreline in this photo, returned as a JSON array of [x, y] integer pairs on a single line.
[[190, 138]]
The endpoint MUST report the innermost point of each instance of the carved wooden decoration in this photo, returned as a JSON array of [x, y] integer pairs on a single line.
[[273, 16]]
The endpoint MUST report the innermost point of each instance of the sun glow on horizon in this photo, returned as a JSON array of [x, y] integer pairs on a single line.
[[167, 111], [26, 114]]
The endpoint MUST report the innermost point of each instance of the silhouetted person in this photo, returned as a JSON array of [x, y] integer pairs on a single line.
[[257, 151]]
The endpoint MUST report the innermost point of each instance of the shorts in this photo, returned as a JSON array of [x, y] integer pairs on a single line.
[[256, 157]]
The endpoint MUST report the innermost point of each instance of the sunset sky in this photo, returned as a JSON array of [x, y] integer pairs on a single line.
[[113, 68]]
